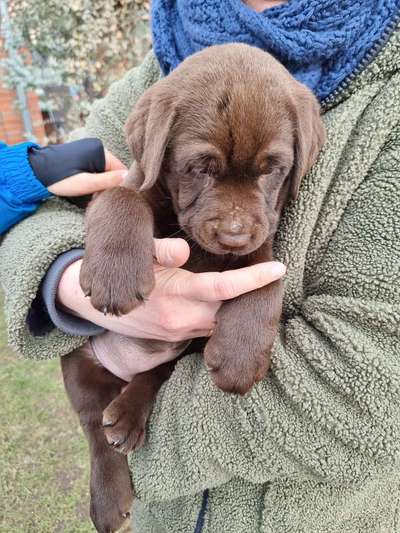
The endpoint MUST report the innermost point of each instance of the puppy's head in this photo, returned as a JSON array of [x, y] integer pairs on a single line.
[[230, 134]]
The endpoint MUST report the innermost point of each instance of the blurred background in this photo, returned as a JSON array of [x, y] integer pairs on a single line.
[[56, 58]]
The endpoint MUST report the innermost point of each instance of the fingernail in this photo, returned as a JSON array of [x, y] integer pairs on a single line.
[[276, 269], [124, 173]]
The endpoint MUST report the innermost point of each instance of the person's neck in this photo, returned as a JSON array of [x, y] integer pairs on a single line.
[[262, 5]]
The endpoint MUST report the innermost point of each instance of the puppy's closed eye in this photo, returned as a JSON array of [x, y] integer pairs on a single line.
[[197, 171], [191, 158], [202, 167], [274, 163], [192, 183]]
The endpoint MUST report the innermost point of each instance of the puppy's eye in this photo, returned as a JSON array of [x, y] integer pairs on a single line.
[[205, 177], [202, 166], [196, 172], [271, 165], [202, 173]]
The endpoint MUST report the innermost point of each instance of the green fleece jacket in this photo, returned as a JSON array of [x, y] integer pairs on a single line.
[[315, 447]]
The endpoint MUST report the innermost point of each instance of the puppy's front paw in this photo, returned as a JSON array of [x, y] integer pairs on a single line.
[[125, 425], [235, 367], [117, 281]]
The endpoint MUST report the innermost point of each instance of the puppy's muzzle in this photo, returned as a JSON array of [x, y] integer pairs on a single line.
[[232, 233], [233, 240]]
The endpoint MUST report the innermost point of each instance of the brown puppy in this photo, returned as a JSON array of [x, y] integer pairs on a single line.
[[220, 146]]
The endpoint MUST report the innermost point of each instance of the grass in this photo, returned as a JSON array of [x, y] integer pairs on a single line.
[[43, 454]]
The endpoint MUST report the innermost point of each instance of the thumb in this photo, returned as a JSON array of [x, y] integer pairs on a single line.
[[87, 183], [171, 253]]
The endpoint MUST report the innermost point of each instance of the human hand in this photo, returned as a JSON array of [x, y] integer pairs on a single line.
[[88, 183], [182, 306]]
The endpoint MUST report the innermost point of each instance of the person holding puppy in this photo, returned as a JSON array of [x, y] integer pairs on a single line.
[[314, 446]]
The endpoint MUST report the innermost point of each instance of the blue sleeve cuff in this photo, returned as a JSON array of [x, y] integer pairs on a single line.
[[20, 191], [67, 323], [17, 176]]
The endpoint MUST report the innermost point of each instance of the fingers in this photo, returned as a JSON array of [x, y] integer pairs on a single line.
[[86, 183], [112, 162], [171, 252], [173, 318], [215, 286], [201, 333]]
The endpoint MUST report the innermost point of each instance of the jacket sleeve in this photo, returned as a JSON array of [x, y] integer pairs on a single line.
[[26, 170], [330, 408], [29, 249], [21, 193], [26, 253]]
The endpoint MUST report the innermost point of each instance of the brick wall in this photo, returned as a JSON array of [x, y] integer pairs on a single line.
[[11, 124]]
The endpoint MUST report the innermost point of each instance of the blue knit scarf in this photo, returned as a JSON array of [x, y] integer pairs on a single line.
[[321, 42]]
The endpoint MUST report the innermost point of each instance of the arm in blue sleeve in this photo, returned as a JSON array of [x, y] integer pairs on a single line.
[[21, 192], [26, 170]]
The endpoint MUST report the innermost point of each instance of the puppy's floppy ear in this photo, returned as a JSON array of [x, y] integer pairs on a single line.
[[148, 131], [309, 136]]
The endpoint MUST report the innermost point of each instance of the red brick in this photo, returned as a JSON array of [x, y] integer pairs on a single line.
[[11, 114], [15, 139], [11, 123], [31, 95], [7, 96], [14, 130]]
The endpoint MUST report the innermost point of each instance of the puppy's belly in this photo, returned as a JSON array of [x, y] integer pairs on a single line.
[[126, 356]]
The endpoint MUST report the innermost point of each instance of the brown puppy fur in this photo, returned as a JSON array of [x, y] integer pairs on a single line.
[[220, 146]]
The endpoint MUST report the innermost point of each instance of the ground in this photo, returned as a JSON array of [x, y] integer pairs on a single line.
[[43, 454]]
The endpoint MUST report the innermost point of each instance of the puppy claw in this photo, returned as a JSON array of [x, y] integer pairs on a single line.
[[126, 515], [117, 442], [105, 310], [139, 297]]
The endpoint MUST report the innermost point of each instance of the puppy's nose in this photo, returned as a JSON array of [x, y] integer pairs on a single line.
[[231, 232], [234, 227]]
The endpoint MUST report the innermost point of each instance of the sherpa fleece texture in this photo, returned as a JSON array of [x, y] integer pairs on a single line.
[[315, 447]]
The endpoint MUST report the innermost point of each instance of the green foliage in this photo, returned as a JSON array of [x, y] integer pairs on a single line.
[[85, 44]]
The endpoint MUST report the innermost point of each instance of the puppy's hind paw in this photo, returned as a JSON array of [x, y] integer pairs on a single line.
[[124, 429]]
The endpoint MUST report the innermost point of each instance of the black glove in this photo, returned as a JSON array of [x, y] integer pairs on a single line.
[[59, 161]]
